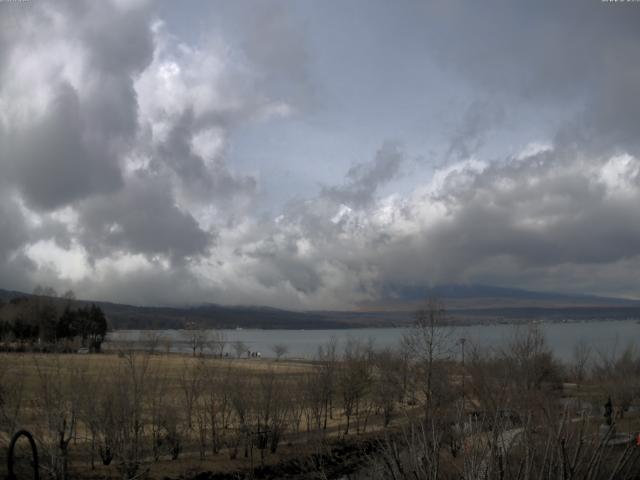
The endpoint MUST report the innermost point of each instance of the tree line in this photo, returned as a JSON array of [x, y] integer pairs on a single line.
[[46, 321]]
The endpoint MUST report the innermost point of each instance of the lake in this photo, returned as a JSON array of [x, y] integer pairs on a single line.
[[602, 336]]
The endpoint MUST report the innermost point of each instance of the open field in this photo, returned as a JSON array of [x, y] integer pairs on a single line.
[[170, 414], [141, 414]]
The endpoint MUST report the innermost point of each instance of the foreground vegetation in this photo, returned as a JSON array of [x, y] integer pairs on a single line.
[[418, 411]]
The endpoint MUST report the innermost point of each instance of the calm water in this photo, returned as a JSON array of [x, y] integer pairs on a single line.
[[562, 337]]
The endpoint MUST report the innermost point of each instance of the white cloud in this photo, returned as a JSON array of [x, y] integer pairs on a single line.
[[621, 175], [67, 264]]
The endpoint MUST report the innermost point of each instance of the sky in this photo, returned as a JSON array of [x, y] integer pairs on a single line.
[[318, 155]]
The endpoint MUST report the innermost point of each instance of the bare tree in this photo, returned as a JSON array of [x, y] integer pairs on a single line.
[[313, 399], [429, 341], [297, 404], [58, 401], [240, 348], [92, 412], [531, 358], [581, 358], [355, 379], [218, 403], [240, 391], [103, 421], [279, 350], [159, 408], [327, 359], [217, 343], [197, 340], [387, 383], [131, 390], [166, 344], [271, 407], [151, 341], [12, 395], [191, 385]]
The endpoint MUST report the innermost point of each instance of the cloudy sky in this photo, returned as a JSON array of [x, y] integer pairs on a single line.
[[307, 154]]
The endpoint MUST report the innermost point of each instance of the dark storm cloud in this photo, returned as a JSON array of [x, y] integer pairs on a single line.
[[142, 218], [18, 273], [52, 164], [15, 267], [14, 230]]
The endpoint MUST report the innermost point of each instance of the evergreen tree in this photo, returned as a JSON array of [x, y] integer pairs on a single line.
[[97, 327], [68, 326]]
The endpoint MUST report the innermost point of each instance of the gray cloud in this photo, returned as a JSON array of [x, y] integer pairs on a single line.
[[87, 55], [210, 180], [119, 146], [90, 130], [51, 162], [142, 219], [151, 285], [536, 220], [527, 216], [364, 179], [553, 53], [468, 137], [13, 227], [15, 267]]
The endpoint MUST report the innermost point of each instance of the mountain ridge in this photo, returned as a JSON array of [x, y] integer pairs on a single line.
[[464, 303]]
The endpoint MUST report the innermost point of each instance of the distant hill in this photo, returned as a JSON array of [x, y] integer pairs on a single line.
[[123, 316], [215, 316], [464, 303], [487, 296]]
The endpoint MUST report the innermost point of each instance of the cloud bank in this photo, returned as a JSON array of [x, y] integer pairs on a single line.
[[119, 175]]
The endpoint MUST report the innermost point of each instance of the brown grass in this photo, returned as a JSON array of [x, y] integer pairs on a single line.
[[29, 367]]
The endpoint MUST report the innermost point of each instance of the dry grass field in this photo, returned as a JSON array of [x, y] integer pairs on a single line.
[[170, 414], [30, 367], [135, 414]]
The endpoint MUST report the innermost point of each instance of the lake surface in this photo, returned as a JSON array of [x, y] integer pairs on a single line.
[[603, 336]]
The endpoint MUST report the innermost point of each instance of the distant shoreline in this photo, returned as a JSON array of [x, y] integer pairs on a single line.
[[394, 326]]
